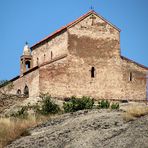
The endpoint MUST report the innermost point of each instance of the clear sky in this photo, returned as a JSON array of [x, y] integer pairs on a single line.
[[32, 20]]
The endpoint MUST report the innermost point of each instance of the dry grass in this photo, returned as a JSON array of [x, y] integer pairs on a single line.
[[10, 129], [135, 111]]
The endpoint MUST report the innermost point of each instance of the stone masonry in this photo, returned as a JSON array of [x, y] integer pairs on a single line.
[[82, 59]]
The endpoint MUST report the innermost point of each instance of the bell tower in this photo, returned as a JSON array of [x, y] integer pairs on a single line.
[[26, 60]]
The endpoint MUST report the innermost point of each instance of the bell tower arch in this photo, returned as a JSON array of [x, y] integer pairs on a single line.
[[26, 60]]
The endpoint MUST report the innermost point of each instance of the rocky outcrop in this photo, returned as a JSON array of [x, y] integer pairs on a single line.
[[87, 129], [9, 101]]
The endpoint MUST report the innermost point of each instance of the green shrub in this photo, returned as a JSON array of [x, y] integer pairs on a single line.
[[88, 102], [47, 106], [75, 104], [104, 104], [115, 106], [68, 107]]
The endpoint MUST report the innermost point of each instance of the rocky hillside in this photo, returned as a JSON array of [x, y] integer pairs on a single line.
[[87, 129], [9, 101]]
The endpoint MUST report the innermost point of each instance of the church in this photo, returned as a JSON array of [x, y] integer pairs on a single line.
[[82, 58]]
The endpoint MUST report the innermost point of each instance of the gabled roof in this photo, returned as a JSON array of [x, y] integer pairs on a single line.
[[64, 28]]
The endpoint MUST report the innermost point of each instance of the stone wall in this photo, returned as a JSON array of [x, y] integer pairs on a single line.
[[97, 46], [67, 59], [72, 76], [89, 46], [93, 43], [134, 88], [31, 80], [50, 49], [54, 78]]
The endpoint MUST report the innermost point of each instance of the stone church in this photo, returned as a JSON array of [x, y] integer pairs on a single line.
[[82, 58]]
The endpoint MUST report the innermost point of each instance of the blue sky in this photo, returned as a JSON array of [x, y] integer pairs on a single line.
[[32, 20]]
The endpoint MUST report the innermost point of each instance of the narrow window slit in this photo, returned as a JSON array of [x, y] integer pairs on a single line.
[[37, 61], [130, 76], [92, 72]]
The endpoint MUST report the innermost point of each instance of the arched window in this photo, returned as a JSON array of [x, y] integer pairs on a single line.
[[18, 92], [27, 63], [92, 72], [26, 91]]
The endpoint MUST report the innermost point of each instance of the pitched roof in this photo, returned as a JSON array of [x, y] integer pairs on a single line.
[[64, 28], [124, 58]]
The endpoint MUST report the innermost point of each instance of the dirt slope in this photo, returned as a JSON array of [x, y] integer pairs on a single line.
[[83, 129]]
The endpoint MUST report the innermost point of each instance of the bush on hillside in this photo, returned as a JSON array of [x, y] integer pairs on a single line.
[[103, 104], [44, 107], [48, 106], [75, 104], [115, 106]]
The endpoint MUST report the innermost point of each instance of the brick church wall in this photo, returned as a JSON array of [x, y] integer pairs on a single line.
[[68, 72], [89, 46], [134, 89], [31, 80], [50, 49], [97, 46]]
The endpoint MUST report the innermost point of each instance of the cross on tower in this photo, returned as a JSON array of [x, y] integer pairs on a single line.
[[92, 7]]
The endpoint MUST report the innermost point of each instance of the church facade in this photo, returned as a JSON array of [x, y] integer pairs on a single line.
[[81, 59]]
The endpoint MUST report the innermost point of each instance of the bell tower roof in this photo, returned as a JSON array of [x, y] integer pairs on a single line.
[[26, 50]]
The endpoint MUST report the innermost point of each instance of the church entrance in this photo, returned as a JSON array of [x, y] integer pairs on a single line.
[[26, 91]]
